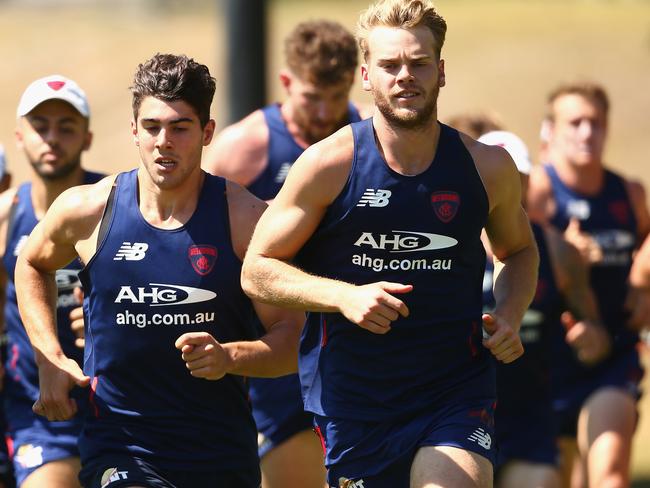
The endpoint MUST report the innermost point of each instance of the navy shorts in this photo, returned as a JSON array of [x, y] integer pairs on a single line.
[[527, 435], [278, 411], [116, 470], [624, 372], [380, 454], [42, 443]]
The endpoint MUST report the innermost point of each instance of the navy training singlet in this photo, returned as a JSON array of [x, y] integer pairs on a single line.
[[609, 218], [145, 287], [422, 230], [21, 377], [277, 403], [282, 152]]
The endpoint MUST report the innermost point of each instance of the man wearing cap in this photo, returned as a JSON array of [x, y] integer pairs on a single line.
[[524, 417], [53, 131]]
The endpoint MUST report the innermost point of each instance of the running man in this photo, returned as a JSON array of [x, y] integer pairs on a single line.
[[257, 152], [169, 332], [605, 216], [53, 131], [376, 232]]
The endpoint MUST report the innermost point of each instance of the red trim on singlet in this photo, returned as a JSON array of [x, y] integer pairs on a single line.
[[91, 396], [472, 347], [322, 439], [10, 446], [323, 341]]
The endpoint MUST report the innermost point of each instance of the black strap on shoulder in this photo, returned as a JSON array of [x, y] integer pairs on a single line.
[[107, 215]]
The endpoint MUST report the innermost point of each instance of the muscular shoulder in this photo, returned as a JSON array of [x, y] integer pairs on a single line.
[[76, 212], [496, 168], [239, 152], [637, 196], [244, 210]]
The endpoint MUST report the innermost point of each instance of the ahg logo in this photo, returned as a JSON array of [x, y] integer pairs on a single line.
[[160, 295], [405, 241]]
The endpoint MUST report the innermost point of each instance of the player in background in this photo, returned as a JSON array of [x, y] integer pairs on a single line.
[[53, 131], [257, 152]]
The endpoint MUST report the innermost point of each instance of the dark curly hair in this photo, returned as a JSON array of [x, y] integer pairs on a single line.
[[173, 77]]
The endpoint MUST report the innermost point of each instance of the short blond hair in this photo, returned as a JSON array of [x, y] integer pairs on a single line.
[[405, 14]]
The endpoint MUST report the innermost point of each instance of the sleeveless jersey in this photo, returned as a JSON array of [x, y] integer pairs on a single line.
[[422, 230], [21, 377], [145, 287], [282, 152], [609, 218], [272, 397]]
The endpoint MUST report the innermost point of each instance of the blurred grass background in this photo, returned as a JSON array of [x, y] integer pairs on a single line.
[[502, 56]]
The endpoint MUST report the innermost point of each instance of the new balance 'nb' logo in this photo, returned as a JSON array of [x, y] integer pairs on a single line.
[[131, 252], [374, 198], [482, 438]]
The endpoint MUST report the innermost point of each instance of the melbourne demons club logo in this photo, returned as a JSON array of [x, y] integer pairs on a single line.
[[202, 258], [445, 204]]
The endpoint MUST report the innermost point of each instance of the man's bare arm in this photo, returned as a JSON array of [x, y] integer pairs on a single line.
[[514, 249], [66, 229], [315, 180]]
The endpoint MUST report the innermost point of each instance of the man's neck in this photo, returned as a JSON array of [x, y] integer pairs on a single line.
[[587, 179], [169, 208], [45, 191], [406, 151], [297, 132]]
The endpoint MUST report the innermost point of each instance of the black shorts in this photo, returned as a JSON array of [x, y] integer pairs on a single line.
[[115, 470]]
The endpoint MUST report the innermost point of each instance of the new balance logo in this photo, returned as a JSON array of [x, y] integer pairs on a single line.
[[346, 483], [482, 438], [112, 474], [374, 198], [282, 173], [131, 252]]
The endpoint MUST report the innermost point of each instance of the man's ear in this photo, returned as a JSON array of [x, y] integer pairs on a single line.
[[365, 80], [134, 132]]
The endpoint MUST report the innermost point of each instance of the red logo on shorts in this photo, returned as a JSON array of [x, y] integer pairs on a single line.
[[445, 204], [202, 258], [56, 85]]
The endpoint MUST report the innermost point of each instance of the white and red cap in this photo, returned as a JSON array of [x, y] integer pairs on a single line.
[[53, 87], [511, 143]]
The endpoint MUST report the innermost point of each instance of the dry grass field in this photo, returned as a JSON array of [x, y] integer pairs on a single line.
[[501, 56]]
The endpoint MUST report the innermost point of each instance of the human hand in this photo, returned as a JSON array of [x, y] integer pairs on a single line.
[[77, 318], [57, 375], [373, 307], [586, 245], [503, 342], [590, 341], [203, 355], [637, 304]]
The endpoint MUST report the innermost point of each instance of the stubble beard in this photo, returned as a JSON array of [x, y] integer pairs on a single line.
[[414, 119], [60, 172]]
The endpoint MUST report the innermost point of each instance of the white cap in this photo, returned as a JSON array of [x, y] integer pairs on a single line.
[[511, 143], [3, 161], [54, 87]]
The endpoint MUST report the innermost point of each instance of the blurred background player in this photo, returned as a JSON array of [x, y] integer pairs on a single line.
[[6, 469], [524, 422], [257, 152], [605, 216], [53, 132]]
